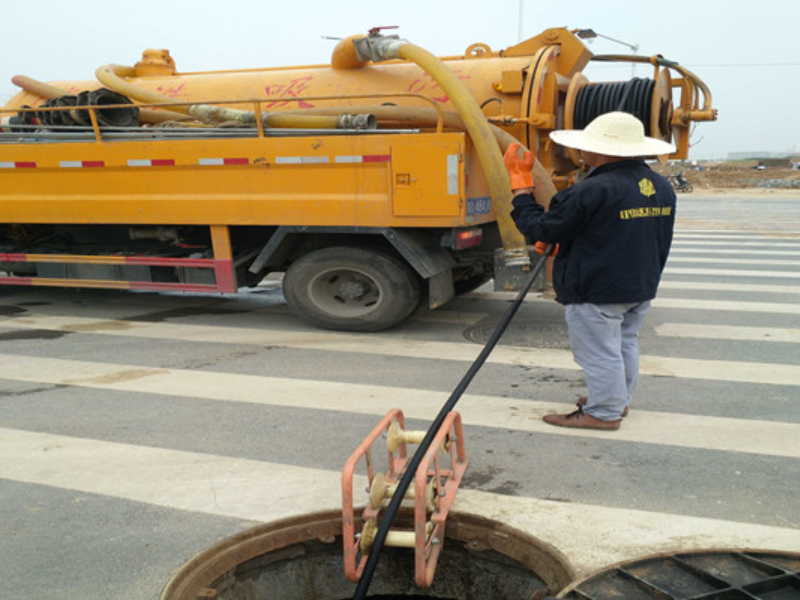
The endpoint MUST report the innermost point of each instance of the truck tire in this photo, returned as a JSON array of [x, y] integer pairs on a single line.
[[351, 289]]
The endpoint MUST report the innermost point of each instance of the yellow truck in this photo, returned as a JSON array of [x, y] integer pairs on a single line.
[[374, 183]]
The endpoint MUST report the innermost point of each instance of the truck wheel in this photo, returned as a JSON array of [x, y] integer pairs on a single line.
[[351, 289]]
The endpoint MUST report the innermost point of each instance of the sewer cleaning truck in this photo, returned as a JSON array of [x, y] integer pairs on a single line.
[[375, 183]]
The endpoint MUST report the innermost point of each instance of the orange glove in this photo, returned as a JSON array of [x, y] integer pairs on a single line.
[[520, 170], [541, 247]]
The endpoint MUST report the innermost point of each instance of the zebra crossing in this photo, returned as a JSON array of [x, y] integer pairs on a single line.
[[233, 410]]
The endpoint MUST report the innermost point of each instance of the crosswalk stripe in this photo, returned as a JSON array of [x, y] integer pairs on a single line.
[[742, 236], [264, 491], [671, 284], [650, 427], [684, 243], [397, 344], [728, 332], [733, 272], [787, 308], [728, 305], [734, 261], [706, 251]]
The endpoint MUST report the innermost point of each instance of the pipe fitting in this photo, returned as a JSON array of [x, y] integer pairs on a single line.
[[361, 121], [377, 48]]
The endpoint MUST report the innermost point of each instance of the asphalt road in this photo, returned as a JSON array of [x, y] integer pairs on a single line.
[[137, 429]]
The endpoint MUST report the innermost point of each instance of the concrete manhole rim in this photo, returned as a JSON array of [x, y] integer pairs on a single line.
[[194, 577]]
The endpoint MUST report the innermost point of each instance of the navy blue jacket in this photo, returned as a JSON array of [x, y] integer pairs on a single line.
[[614, 229]]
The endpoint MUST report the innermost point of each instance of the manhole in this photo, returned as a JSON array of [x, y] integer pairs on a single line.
[[707, 575], [300, 558]]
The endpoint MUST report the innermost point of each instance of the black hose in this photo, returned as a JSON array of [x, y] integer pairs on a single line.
[[634, 97], [416, 459]]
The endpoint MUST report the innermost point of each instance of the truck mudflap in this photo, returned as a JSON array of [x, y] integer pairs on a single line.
[[420, 249]]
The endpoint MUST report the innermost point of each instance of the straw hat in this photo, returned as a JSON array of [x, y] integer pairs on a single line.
[[613, 134]]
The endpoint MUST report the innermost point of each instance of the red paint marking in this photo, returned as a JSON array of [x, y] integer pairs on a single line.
[[25, 165], [293, 89], [16, 280], [93, 163], [224, 274], [235, 161], [373, 158], [162, 162], [14, 257]]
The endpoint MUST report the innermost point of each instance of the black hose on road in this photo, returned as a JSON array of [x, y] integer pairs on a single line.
[[411, 468]]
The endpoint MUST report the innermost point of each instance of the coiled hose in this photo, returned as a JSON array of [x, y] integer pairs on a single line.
[[634, 97]]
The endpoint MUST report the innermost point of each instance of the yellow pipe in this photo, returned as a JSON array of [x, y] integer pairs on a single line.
[[112, 77], [377, 47]]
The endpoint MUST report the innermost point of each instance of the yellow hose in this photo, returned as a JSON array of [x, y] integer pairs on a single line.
[[112, 77], [514, 244]]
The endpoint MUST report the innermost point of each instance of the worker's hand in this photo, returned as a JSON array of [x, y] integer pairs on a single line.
[[519, 163], [541, 248]]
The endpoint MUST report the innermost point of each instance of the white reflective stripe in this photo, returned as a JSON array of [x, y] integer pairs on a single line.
[[452, 174], [70, 163], [6, 165], [139, 162], [210, 161], [349, 159], [297, 160]]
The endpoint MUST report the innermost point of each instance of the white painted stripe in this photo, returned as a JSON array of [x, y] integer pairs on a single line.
[[732, 272], [349, 159], [139, 162], [728, 332], [734, 244], [393, 344], [706, 251], [6, 165], [70, 164], [649, 427], [734, 261], [297, 160], [682, 230], [742, 236], [210, 161], [264, 491], [452, 174], [728, 305], [669, 284]]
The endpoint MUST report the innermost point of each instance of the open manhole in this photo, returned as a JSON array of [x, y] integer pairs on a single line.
[[300, 558], [707, 575]]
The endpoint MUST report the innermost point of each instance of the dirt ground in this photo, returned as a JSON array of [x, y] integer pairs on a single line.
[[729, 176]]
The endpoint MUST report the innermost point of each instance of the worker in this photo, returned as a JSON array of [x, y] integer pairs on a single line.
[[613, 232]]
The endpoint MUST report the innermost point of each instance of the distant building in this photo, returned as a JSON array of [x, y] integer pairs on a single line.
[[757, 155]]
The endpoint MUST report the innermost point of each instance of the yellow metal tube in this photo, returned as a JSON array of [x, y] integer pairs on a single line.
[[514, 245], [112, 77]]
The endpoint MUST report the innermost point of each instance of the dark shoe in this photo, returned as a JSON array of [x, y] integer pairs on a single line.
[[583, 399], [581, 420]]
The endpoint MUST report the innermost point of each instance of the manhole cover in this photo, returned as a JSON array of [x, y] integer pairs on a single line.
[[709, 575]]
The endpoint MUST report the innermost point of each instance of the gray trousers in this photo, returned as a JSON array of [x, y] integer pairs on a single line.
[[605, 342]]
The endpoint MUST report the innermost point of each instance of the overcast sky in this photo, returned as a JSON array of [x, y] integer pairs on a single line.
[[748, 52]]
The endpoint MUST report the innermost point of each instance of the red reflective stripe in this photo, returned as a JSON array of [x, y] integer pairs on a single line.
[[235, 161], [16, 280], [25, 165], [162, 162], [14, 257], [93, 163], [377, 157]]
